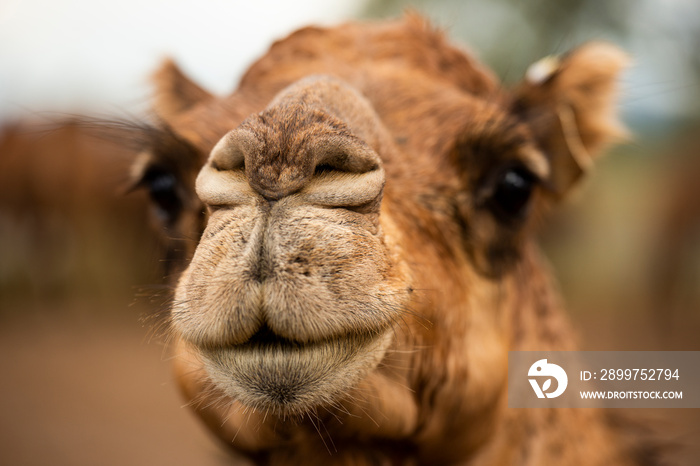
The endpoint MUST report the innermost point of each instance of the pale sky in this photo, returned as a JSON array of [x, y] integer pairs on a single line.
[[96, 55]]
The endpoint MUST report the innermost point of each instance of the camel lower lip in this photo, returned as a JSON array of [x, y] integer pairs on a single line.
[[290, 378]]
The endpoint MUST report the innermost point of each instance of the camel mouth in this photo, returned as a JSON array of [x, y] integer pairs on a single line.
[[266, 337], [272, 373]]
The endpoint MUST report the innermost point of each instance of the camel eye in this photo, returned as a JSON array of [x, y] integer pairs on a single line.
[[511, 194], [162, 188]]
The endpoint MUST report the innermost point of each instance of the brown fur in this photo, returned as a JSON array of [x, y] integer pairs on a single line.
[[355, 293]]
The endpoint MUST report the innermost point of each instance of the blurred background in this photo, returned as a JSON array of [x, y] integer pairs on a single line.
[[85, 382]]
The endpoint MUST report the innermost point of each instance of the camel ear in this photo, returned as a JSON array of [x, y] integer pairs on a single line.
[[175, 92], [569, 103]]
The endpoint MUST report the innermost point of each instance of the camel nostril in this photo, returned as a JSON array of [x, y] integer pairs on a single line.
[[302, 145]]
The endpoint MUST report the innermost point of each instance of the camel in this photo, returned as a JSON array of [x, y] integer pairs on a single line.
[[352, 246]]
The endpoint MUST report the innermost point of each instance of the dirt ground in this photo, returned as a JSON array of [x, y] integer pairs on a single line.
[[87, 388]]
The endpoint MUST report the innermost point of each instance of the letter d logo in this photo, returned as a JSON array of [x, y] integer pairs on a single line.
[[543, 368]]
